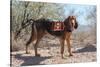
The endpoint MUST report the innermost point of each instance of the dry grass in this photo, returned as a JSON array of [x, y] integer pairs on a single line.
[[83, 48], [78, 38]]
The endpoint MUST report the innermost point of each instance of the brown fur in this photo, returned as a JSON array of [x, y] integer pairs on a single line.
[[39, 29]]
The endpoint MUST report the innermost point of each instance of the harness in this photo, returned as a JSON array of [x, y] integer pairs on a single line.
[[57, 26]]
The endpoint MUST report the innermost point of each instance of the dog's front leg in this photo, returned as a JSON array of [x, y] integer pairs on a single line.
[[68, 35]]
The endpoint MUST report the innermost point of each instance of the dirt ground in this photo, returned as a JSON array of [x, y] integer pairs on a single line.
[[51, 55]]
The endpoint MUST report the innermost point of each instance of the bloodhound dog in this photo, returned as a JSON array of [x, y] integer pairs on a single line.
[[42, 26]]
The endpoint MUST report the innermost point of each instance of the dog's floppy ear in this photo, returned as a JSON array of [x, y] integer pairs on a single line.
[[76, 24], [69, 18]]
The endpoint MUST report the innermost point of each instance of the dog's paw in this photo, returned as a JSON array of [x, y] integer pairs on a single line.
[[70, 55], [28, 52], [37, 55]]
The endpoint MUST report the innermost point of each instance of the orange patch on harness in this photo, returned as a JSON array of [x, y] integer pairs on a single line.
[[57, 26]]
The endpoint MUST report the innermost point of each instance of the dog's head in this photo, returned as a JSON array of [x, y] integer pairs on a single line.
[[70, 23]]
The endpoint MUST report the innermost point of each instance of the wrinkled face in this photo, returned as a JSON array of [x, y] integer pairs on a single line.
[[72, 21]]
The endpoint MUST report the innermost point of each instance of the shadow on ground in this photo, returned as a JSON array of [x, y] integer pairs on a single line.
[[88, 48], [31, 60]]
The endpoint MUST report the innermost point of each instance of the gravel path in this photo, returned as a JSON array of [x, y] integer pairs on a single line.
[[52, 55]]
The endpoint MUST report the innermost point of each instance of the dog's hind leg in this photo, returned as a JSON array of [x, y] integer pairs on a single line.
[[40, 35], [35, 48], [27, 45], [32, 38]]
